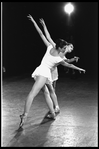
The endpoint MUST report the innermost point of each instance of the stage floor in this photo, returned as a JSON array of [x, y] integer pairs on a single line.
[[75, 126]]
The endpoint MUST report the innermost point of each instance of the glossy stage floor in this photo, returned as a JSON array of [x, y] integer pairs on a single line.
[[75, 126]]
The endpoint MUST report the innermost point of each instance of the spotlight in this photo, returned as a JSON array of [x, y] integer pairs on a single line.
[[69, 8]]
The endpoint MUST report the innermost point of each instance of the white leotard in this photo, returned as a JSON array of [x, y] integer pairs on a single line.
[[48, 66]]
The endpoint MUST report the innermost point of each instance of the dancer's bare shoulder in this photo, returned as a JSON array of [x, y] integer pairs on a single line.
[[54, 52]]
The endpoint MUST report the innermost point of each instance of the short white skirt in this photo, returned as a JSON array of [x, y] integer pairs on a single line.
[[43, 71]]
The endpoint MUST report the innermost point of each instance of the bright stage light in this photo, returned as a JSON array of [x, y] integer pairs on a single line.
[[69, 8]]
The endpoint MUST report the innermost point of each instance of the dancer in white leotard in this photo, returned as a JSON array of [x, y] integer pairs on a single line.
[[55, 71], [42, 74]]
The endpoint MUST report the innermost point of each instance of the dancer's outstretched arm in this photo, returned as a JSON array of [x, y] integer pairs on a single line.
[[47, 32], [39, 31], [71, 66], [72, 59]]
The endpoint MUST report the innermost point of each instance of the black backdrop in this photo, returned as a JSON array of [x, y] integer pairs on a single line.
[[23, 48]]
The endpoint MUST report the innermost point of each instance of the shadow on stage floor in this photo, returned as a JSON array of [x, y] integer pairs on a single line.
[[75, 126], [37, 137]]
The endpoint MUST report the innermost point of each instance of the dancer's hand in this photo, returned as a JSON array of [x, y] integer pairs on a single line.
[[42, 22], [31, 18], [76, 58], [82, 70]]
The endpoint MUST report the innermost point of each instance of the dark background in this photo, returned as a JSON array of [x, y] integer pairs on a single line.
[[23, 48]]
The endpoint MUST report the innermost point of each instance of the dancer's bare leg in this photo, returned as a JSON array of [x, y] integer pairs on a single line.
[[39, 83], [48, 99], [53, 96], [54, 85]]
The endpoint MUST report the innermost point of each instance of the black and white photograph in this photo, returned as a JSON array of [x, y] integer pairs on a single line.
[[49, 74]]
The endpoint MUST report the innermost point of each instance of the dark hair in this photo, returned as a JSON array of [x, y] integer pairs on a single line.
[[61, 43]]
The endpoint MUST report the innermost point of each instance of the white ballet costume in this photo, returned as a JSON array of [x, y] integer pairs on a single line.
[[48, 67], [54, 72]]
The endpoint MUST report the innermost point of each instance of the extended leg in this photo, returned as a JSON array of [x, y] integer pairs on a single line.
[[39, 83], [54, 97], [49, 101]]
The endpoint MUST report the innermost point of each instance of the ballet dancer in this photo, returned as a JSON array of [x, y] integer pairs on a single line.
[[42, 74], [55, 72]]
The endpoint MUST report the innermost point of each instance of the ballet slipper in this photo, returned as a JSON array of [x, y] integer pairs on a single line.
[[23, 119], [51, 115], [57, 110]]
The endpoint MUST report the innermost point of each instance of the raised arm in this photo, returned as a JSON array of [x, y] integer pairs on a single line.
[[47, 32], [71, 66], [39, 31]]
